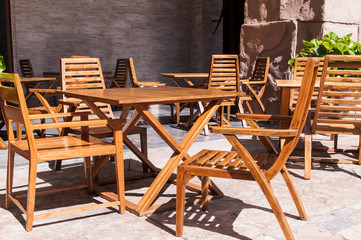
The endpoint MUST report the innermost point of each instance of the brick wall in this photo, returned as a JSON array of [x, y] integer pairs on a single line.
[[161, 36]]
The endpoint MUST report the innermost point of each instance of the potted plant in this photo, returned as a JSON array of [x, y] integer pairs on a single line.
[[329, 44], [2, 64]]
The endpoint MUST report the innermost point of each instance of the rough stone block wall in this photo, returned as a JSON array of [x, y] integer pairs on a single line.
[[157, 34], [276, 29]]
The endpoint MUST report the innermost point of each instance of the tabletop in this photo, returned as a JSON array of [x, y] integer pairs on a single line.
[[284, 83], [185, 75], [154, 95]]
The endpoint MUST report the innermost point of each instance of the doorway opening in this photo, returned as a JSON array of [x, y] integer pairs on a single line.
[[233, 19]]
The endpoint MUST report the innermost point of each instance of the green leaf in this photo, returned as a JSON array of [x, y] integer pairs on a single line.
[[341, 47], [2, 64], [307, 44], [333, 36]]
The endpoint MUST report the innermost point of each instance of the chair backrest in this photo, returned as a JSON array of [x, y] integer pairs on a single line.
[[132, 75], [121, 72], [260, 72], [83, 73], [224, 73], [14, 108], [26, 68], [340, 91], [298, 72], [299, 115]]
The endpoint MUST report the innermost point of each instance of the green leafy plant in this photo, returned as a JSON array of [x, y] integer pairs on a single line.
[[2, 64], [329, 44]]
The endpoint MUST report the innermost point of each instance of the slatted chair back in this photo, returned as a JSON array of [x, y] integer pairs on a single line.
[[14, 109], [83, 73], [298, 72], [338, 108], [121, 73], [299, 115], [26, 68], [224, 73]]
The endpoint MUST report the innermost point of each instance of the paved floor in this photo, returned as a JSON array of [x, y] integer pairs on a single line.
[[332, 200]]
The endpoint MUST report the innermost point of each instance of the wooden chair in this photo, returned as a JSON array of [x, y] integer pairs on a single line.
[[241, 164], [86, 73], [338, 107], [26, 68], [14, 109], [120, 77], [224, 75], [134, 79], [256, 85]]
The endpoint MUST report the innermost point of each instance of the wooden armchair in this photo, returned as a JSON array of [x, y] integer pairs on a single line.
[[134, 79], [86, 73], [13, 106], [338, 106], [26, 68], [256, 85], [121, 73], [241, 164]]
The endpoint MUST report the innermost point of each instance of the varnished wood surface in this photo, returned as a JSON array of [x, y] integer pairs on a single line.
[[30, 79], [158, 95], [285, 83], [186, 75]]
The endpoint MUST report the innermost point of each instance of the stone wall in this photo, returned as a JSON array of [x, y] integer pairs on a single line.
[[161, 36], [276, 29]]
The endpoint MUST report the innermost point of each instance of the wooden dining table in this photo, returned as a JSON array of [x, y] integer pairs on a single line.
[[28, 82], [176, 77], [140, 99]]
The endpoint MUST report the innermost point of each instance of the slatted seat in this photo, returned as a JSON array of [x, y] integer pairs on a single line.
[[14, 109], [338, 106], [86, 73], [241, 164], [256, 85]]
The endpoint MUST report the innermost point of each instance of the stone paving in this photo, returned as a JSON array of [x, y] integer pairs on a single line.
[[331, 198]]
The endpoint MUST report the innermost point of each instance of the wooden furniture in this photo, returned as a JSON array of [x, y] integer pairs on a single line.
[[338, 107], [256, 85], [243, 165], [176, 78], [224, 75], [53, 148], [121, 73], [26, 68], [86, 73], [129, 97], [134, 79]]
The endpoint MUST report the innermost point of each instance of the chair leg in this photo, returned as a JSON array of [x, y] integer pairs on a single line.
[[180, 202], [119, 168], [308, 148], [272, 200], [10, 176], [88, 174], [57, 165], [295, 196], [335, 141], [31, 194], [205, 189]]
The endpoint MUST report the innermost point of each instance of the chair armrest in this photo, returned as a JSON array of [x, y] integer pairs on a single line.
[[255, 131], [57, 115], [264, 117], [72, 124], [251, 82], [52, 91], [71, 104]]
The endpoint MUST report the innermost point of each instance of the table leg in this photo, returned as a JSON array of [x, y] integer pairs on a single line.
[[285, 102], [180, 150]]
